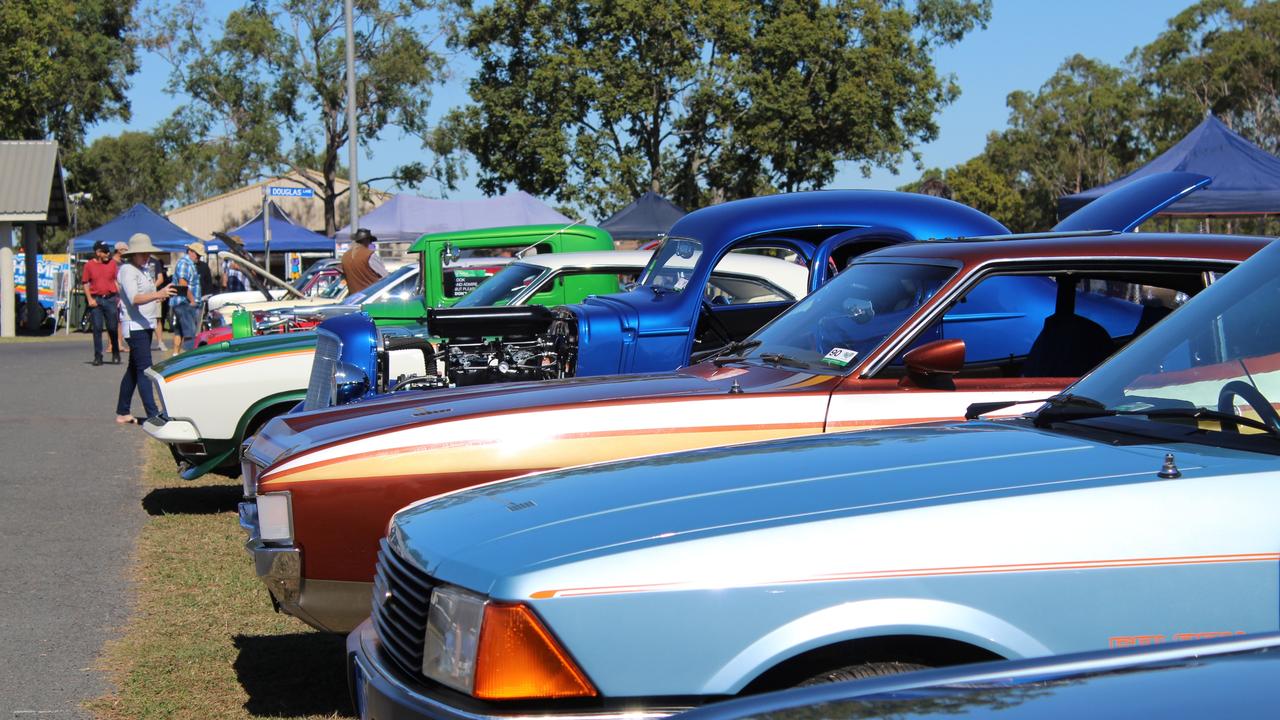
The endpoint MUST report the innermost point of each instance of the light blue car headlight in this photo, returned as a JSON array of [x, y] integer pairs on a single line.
[[452, 637]]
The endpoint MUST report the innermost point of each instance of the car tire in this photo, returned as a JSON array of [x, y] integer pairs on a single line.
[[861, 672]]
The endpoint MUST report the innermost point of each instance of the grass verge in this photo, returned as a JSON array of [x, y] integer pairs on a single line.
[[203, 640]]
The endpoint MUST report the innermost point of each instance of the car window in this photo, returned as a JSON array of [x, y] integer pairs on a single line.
[[1024, 325], [849, 317], [392, 279], [323, 284], [672, 264], [494, 289], [737, 290]]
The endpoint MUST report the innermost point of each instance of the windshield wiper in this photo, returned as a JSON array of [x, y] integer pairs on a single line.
[[1066, 408], [729, 353], [977, 410], [780, 359]]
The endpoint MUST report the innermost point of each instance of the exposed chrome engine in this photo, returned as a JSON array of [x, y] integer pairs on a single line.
[[477, 346]]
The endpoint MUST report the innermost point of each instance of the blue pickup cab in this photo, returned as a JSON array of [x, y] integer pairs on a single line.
[[1138, 507]]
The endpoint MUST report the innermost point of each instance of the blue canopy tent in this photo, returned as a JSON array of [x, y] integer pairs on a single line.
[[141, 219], [1246, 178], [286, 235], [405, 218], [649, 216]]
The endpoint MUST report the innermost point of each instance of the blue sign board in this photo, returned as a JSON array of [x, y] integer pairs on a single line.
[[298, 192]]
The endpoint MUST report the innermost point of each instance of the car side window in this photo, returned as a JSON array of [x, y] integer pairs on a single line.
[[755, 275], [1060, 325]]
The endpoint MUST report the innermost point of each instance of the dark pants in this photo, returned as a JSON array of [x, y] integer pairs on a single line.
[[107, 312], [134, 374]]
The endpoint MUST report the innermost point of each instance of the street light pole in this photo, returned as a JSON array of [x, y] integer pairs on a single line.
[[353, 188]]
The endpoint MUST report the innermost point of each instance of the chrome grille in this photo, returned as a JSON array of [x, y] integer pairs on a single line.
[[320, 388], [401, 600]]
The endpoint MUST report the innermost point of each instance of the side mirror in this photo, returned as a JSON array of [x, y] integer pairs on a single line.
[[933, 364], [450, 253]]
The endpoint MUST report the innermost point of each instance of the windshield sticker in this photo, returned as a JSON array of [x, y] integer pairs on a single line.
[[840, 356], [681, 282]]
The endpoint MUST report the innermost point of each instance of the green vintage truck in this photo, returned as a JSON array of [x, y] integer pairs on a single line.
[[213, 397]]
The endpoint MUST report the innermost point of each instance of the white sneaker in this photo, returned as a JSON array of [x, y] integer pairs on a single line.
[[161, 345]]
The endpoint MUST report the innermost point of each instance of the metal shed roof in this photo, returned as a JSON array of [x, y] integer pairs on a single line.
[[31, 184]]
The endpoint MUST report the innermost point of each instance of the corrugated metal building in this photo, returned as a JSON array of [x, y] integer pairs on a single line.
[[32, 195]]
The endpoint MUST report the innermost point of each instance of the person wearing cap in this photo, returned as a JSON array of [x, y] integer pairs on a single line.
[[186, 299], [139, 308], [117, 254], [360, 263], [100, 289]]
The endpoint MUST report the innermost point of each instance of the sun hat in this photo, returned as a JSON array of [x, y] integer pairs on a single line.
[[140, 243], [197, 247], [364, 236]]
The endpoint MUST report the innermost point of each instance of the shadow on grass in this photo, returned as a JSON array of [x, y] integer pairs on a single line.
[[198, 500], [293, 675]]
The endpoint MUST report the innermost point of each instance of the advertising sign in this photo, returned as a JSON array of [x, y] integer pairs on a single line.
[[292, 265], [50, 268]]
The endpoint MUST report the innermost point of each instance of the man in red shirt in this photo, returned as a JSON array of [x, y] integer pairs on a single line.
[[100, 290]]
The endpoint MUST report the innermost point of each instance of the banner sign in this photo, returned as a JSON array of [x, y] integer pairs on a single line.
[[49, 268]]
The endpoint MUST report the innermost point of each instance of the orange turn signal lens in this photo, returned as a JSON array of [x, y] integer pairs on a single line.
[[519, 659]]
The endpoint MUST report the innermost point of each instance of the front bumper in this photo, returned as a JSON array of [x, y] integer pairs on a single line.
[[379, 692], [194, 455], [171, 431], [278, 567], [327, 605]]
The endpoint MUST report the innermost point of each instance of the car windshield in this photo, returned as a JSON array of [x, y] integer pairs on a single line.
[[300, 283], [386, 282], [851, 315], [1213, 360], [502, 288], [672, 264]]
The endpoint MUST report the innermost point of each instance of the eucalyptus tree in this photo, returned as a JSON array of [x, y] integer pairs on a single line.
[[269, 85], [65, 67], [595, 102]]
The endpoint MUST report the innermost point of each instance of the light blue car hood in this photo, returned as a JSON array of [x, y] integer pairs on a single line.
[[477, 537]]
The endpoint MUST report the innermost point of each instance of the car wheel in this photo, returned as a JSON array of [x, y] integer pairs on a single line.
[[860, 672]]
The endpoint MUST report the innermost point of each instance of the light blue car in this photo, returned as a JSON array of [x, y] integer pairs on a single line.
[[1141, 506]]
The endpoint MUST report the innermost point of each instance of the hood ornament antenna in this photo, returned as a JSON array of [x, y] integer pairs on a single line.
[[735, 388], [1170, 469]]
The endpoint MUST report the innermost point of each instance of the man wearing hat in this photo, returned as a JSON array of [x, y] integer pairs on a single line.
[[139, 308], [186, 300], [100, 289], [360, 263]]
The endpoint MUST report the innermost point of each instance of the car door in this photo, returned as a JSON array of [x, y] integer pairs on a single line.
[[1009, 327]]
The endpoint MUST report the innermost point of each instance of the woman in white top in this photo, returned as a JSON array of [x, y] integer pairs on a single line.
[[138, 312]]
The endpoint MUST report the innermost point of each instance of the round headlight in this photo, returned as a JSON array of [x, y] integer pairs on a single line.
[[349, 383]]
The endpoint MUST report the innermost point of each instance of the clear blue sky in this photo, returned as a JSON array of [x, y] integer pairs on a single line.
[[1025, 42]]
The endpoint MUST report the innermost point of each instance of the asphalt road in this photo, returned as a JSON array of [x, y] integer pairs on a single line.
[[69, 513]]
